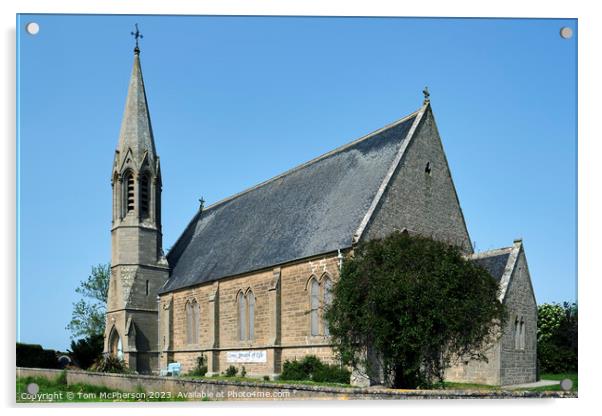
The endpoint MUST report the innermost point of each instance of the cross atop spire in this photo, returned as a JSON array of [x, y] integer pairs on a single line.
[[137, 35], [427, 95]]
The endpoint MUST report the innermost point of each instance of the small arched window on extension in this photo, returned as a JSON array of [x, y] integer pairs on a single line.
[[516, 334], [522, 334], [144, 196]]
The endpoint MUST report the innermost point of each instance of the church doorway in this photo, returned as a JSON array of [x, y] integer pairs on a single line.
[[115, 346]]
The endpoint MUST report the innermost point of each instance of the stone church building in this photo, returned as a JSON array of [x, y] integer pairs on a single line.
[[246, 281]]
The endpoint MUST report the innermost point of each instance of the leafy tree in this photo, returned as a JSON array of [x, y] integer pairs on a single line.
[[416, 305], [557, 337], [87, 350], [88, 316]]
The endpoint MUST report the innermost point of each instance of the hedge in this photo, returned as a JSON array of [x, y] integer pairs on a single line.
[[34, 356]]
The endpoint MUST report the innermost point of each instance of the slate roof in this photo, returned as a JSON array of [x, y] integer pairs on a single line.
[[494, 261], [500, 263], [310, 210]]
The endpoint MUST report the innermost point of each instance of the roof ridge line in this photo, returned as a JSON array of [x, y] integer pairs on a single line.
[[314, 160], [288, 172], [385, 183], [489, 253]]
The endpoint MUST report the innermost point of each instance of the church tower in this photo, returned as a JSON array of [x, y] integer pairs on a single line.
[[138, 266]]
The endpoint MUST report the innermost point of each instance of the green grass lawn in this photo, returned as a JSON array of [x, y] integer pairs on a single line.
[[57, 391], [559, 377], [447, 385]]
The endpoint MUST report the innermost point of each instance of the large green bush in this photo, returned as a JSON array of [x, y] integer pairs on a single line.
[[34, 356], [416, 304], [312, 369], [557, 338]]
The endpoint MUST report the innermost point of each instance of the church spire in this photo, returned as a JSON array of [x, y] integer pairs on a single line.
[[136, 131], [136, 171], [138, 266]]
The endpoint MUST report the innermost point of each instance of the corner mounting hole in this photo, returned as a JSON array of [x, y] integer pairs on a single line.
[[566, 32], [32, 28]]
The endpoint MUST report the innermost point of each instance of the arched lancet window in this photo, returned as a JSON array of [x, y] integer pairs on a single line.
[[320, 298], [326, 301], [522, 334], [196, 319], [314, 307], [188, 323], [119, 348], [192, 322], [128, 192], [242, 317], [516, 334], [251, 309], [246, 316], [116, 185], [115, 346], [144, 196]]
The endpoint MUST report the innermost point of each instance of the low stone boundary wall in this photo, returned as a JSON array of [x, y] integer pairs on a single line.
[[238, 390]]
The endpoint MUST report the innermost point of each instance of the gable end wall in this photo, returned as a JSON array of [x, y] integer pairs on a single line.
[[520, 365], [419, 202]]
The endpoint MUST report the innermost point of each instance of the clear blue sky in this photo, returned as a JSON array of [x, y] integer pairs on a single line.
[[237, 100]]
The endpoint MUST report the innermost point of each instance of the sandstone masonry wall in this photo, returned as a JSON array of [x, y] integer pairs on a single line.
[[519, 365]]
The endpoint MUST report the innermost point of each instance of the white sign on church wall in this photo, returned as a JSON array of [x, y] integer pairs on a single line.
[[247, 356]]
